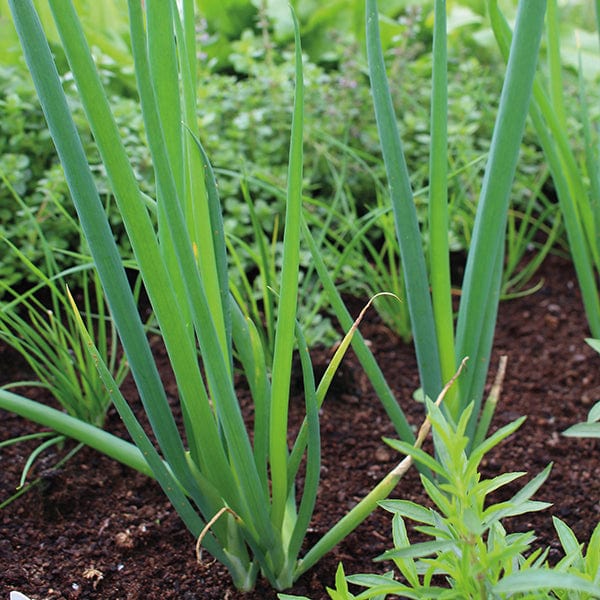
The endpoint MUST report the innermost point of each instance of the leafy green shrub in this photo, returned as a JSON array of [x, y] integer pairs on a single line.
[[27, 157], [470, 555], [328, 28], [30, 170], [344, 160]]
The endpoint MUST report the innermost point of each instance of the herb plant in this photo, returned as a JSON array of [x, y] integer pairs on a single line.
[[469, 554], [470, 547], [30, 169], [47, 335], [40, 325]]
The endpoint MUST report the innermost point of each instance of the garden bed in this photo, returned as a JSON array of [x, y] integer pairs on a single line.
[[94, 529]]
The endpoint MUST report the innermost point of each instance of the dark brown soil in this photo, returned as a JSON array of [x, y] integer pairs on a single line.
[[94, 529]]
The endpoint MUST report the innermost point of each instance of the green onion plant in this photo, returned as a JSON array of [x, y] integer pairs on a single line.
[[235, 487], [437, 350], [439, 345], [577, 182]]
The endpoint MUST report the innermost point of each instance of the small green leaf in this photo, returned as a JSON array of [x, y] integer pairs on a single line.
[[594, 413], [595, 344], [567, 537], [544, 579], [591, 430], [419, 550], [409, 510]]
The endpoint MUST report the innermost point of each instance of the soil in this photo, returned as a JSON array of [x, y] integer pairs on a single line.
[[94, 529]]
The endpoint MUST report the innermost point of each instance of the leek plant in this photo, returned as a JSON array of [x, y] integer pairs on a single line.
[[234, 488]]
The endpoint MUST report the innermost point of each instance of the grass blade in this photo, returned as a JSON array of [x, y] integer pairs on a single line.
[[284, 336], [367, 360], [565, 175], [481, 285], [439, 254], [407, 227]]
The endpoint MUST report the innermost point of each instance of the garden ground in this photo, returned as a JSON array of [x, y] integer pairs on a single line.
[[94, 529]]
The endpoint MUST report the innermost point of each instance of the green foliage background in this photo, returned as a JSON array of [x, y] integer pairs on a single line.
[[245, 86]]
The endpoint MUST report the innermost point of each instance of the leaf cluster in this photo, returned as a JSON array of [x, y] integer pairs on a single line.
[[249, 129], [470, 547], [30, 170], [469, 553]]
